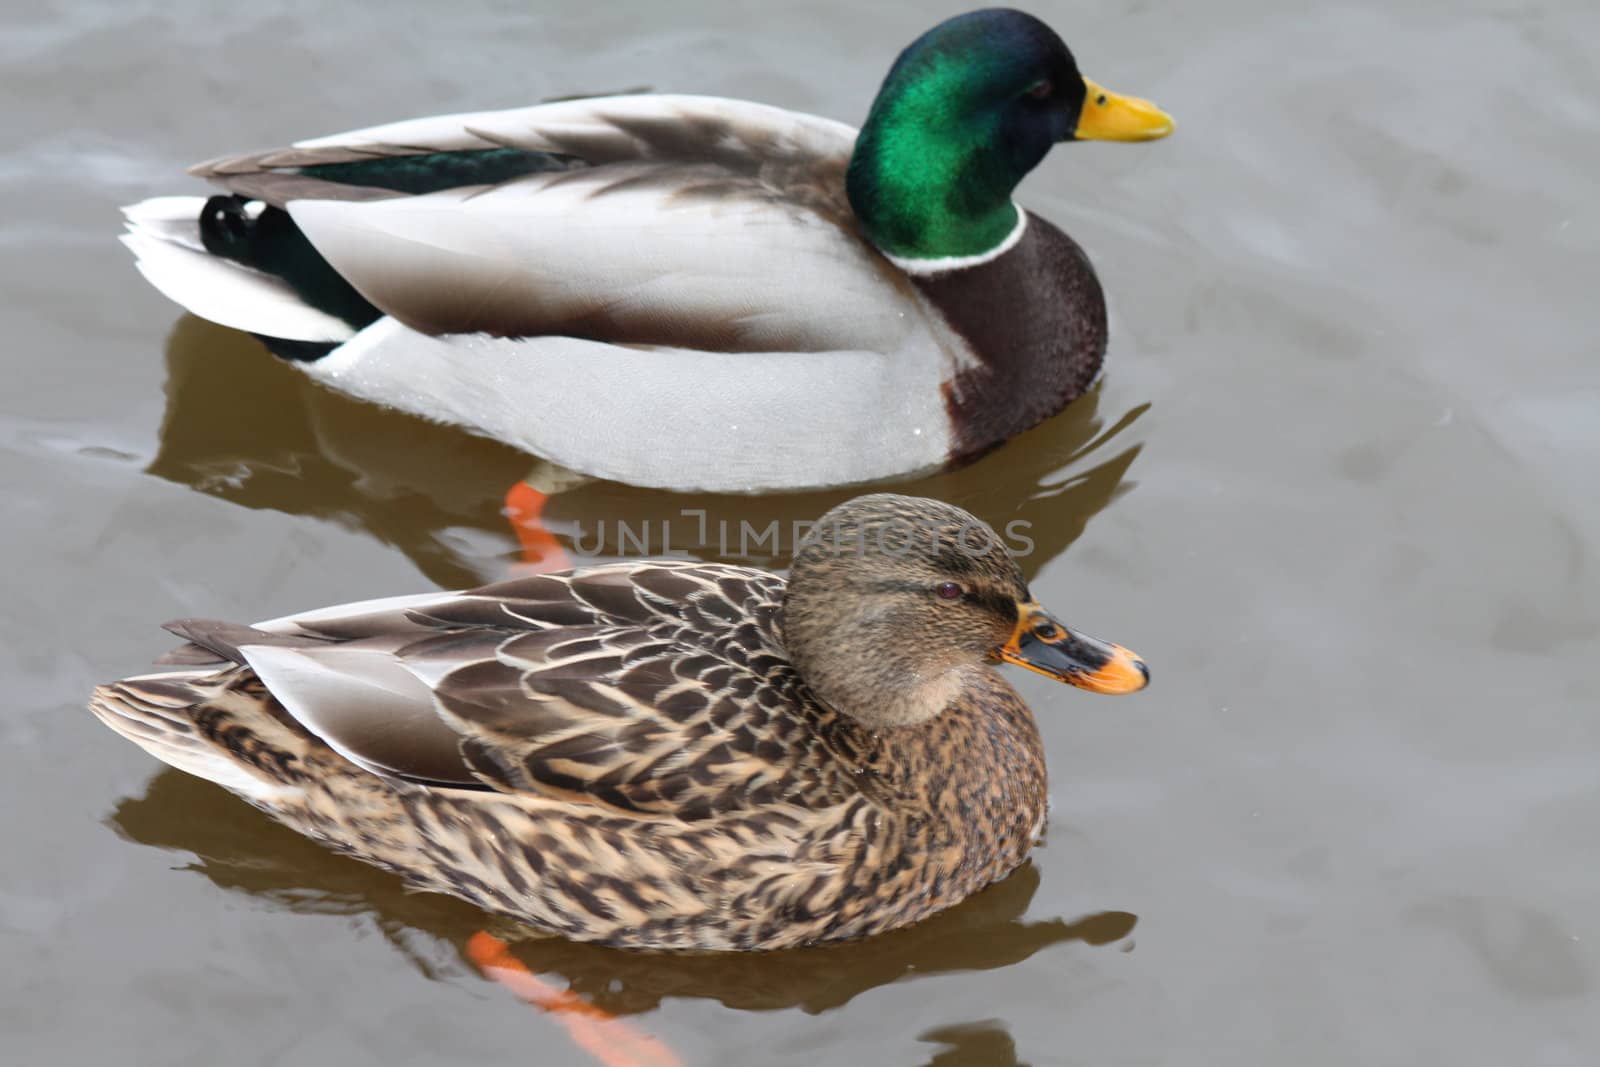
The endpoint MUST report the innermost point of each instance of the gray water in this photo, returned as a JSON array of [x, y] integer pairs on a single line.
[[1339, 488]]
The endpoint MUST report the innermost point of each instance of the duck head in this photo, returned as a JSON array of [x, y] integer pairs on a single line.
[[894, 602], [968, 109]]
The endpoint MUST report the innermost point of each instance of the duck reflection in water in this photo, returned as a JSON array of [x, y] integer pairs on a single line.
[[243, 851], [437, 494]]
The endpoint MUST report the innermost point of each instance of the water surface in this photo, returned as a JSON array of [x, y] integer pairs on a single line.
[[1339, 488]]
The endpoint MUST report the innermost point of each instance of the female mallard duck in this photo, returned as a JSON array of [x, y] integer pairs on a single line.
[[680, 291], [666, 755]]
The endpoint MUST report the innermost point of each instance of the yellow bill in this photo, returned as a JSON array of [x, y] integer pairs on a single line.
[[1109, 117]]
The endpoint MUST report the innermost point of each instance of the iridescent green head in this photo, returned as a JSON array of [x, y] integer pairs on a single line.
[[968, 109]]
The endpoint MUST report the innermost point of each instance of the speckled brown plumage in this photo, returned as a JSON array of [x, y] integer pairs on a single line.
[[627, 754]]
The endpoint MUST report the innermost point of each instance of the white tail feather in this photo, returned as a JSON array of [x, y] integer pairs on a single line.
[[164, 235], [171, 218]]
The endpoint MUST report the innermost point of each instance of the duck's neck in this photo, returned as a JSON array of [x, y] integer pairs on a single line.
[[882, 695], [925, 191]]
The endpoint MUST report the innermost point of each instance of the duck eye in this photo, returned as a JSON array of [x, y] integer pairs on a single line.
[[948, 590], [1041, 89]]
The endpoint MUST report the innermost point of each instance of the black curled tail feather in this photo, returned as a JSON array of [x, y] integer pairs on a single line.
[[269, 241], [225, 229]]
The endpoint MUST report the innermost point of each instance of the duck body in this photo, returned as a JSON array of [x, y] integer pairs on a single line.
[[731, 811], [628, 754], [673, 291]]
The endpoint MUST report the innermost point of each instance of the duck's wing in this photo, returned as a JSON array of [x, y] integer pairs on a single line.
[[693, 222], [475, 148], [653, 690]]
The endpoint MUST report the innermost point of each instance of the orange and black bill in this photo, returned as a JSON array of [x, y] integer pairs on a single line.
[[1042, 644]]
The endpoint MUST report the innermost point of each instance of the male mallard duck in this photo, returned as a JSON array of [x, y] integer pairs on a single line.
[[683, 292], [666, 755]]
